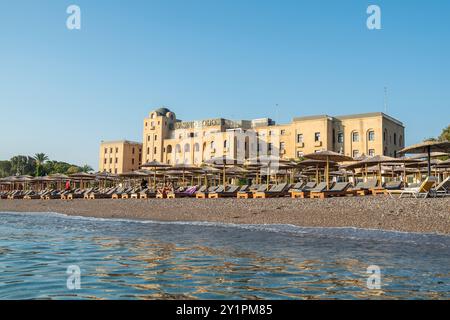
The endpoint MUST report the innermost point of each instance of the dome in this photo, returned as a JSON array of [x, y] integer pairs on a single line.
[[162, 111]]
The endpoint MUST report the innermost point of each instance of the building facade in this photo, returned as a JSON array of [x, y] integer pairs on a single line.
[[170, 140], [120, 156]]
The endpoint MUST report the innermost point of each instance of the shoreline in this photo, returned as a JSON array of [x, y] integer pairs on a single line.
[[431, 216]]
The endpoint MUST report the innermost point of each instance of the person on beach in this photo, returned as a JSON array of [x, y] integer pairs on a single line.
[[67, 187], [144, 184]]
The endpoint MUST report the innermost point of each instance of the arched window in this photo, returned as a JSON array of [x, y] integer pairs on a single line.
[[395, 139], [177, 149], [196, 147], [169, 149], [187, 147]]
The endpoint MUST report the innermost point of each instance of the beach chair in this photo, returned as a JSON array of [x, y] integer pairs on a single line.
[[128, 192], [422, 191], [188, 192], [442, 189], [365, 188], [393, 185], [339, 189], [204, 194], [230, 191], [302, 191], [144, 194], [107, 193], [306, 191], [278, 190], [249, 193], [36, 195]]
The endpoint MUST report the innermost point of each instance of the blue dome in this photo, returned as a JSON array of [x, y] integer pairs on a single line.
[[162, 111]]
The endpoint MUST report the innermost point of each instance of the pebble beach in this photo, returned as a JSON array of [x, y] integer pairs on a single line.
[[371, 212]]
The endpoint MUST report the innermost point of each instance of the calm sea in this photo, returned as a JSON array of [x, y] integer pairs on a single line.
[[41, 254]]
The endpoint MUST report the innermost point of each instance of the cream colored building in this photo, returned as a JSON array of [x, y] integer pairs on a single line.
[[120, 156], [170, 140]]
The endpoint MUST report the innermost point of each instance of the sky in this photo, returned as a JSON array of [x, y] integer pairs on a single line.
[[63, 91]]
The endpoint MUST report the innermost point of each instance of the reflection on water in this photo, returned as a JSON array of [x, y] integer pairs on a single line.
[[136, 260]]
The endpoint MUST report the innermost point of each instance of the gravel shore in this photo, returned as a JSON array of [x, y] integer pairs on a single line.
[[377, 212]]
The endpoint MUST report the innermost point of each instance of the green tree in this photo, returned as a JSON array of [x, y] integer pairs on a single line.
[[86, 168], [73, 169], [40, 159], [5, 168], [445, 135], [23, 165]]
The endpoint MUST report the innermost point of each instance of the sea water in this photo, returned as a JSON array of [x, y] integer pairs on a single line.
[[53, 256]]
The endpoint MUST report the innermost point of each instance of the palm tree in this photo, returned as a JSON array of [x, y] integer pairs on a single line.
[[40, 159], [86, 168]]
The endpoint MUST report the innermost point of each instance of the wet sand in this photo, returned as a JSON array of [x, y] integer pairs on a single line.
[[380, 212]]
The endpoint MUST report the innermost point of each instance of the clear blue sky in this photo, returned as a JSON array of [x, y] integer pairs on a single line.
[[62, 91]]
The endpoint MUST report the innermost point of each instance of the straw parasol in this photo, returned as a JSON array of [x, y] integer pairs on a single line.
[[376, 160], [184, 168], [223, 162], [427, 147], [328, 156], [154, 165]]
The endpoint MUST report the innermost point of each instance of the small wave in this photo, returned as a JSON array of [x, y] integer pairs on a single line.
[[351, 233]]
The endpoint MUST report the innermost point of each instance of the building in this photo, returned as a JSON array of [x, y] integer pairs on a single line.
[[120, 156], [170, 140]]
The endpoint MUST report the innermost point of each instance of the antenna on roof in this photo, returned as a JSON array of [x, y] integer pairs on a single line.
[[385, 99]]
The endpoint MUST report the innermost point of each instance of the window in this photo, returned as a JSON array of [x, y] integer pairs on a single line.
[[340, 137], [115, 171], [282, 132], [225, 143], [270, 132], [212, 145], [104, 162], [355, 136], [269, 147], [355, 153], [334, 136], [282, 146], [110, 150], [148, 138], [154, 150], [299, 154], [187, 148], [117, 150], [156, 137], [132, 161], [395, 138], [110, 160], [106, 150], [196, 147], [371, 135], [371, 152], [148, 150], [316, 136], [146, 123], [117, 160], [299, 138], [132, 150]]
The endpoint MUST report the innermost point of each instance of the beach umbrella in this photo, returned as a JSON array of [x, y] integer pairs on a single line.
[[427, 147], [223, 162], [82, 176], [328, 156], [376, 160], [154, 165], [185, 168]]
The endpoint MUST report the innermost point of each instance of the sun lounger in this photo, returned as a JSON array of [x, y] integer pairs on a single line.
[[249, 193], [36, 195], [442, 189], [144, 194], [278, 190], [189, 192], [230, 191], [303, 191], [422, 191], [102, 195], [339, 189], [204, 194], [365, 188]]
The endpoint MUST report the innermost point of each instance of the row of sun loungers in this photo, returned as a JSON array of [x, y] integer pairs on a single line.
[[298, 190]]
